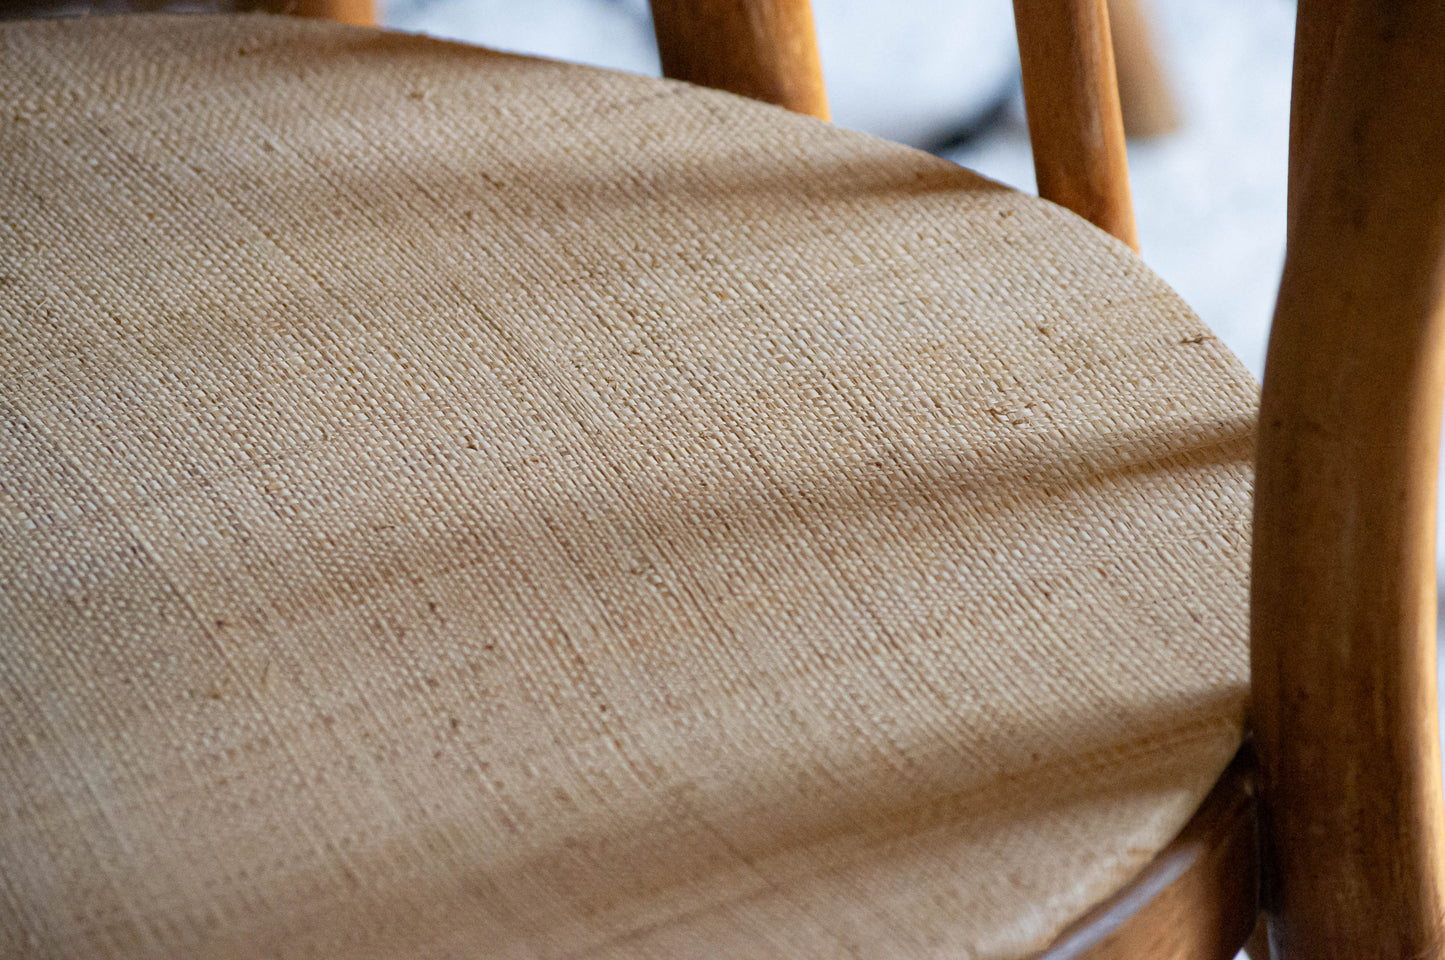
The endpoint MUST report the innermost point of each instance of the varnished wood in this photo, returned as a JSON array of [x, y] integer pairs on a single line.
[[1343, 606], [764, 49], [1146, 101], [1316, 26], [1072, 99], [359, 12], [1197, 900]]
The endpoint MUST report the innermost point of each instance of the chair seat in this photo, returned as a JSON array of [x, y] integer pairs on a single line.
[[456, 504]]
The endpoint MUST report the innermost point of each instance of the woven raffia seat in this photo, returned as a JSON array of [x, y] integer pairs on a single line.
[[463, 505]]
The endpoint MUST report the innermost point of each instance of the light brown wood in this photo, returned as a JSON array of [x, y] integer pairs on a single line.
[[1072, 100], [1343, 607], [1197, 900], [1316, 26], [359, 12], [1145, 99], [764, 49]]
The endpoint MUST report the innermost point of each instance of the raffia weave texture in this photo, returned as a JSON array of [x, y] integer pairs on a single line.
[[456, 505]]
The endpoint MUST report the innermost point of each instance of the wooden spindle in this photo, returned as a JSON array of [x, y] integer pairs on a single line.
[[1072, 98], [1343, 605], [764, 49]]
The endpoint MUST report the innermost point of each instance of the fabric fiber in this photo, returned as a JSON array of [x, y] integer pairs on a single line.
[[459, 505]]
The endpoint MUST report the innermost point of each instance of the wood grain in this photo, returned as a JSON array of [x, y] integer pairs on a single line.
[[1316, 28], [764, 49], [1197, 900], [1343, 606], [1072, 98]]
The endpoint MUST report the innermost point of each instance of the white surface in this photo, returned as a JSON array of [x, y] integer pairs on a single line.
[[915, 72], [605, 33]]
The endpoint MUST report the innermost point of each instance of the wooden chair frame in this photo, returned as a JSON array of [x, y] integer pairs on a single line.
[[1346, 838]]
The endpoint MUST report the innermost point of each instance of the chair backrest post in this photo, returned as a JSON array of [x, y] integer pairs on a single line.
[[1317, 25], [1071, 94], [1343, 592], [362, 13], [764, 49], [768, 50]]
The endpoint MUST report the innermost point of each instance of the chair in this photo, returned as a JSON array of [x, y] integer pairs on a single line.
[[456, 504]]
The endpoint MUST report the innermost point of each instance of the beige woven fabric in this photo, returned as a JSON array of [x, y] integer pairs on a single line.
[[456, 505]]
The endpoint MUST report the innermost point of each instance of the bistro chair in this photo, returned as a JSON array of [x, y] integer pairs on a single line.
[[454, 504]]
